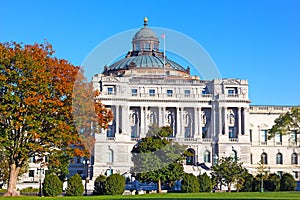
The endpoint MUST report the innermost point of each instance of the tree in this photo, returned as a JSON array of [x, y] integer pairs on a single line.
[[262, 174], [287, 182], [205, 183], [272, 183], [227, 171], [286, 123], [114, 184], [75, 186], [52, 186], [249, 184], [36, 91], [189, 183], [99, 185], [157, 158]]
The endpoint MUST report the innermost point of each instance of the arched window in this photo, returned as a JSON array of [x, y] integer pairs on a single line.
[[294, 158], [207, 156], [279, 158], [264, 158], [110, 156], [190, 159]]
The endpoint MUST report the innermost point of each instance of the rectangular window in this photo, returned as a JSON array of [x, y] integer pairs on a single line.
[[110, 90], [263, 137], [147, 46], [137, 46], [293, 138], [152, 92], [278, 139], [250, 134], [133, 92], [187, 93], [110, 131], [31, 173], [231, 132], [169, 93], [231, 91]]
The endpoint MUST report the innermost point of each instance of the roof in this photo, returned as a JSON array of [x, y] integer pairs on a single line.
[[144, 61]]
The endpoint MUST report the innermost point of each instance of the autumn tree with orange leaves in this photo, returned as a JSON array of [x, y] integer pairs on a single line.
[[36, 113]]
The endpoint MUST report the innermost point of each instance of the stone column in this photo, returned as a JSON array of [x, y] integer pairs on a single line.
[[117, 120], [245, 113], [225, 121], [163, 116], [125, 127], [145, 121], [142, 121], [200, 122], [159, 116], [239, 120], [178, 122], [196, 124], [181, 120], [220, 120]]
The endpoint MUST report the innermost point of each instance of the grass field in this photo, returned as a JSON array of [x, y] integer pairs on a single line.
[[179, 196]]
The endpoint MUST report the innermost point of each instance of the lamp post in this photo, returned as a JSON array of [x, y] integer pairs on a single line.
[[41, 170], [86, 166]]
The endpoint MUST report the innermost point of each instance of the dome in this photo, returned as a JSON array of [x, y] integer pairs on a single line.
[[145, 61], [145, 55], [145, 33]]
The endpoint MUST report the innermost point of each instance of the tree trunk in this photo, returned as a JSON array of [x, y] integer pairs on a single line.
[[159, 186], [12, 181], [229, 187]]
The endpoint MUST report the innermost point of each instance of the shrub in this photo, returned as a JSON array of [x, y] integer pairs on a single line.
[[189, 183], [272, 183], [205, 183], [29, 189], [287, 182], [99, 185], [249, 184], [114, 184], [52, 186], [75, 186]]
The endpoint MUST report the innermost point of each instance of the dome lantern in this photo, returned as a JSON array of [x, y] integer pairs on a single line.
[[145, 39]]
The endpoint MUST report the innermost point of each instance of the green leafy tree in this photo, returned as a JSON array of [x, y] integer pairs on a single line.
[[205, 183], [272, 183], [99, 185], [114, 184], [286, 123], [52, 186], [189, 183], [249, 184], [157, 158], [75, 186], [287, 182], [227, 171]]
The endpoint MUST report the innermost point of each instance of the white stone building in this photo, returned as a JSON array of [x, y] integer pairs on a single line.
[[213, 118]]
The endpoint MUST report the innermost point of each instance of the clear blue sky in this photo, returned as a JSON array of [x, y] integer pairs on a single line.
[[254, 40]]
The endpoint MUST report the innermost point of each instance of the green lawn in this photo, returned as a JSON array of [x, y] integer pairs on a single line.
[[240, 196]]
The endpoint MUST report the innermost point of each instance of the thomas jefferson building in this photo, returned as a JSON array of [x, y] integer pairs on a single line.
[[213, 118]]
